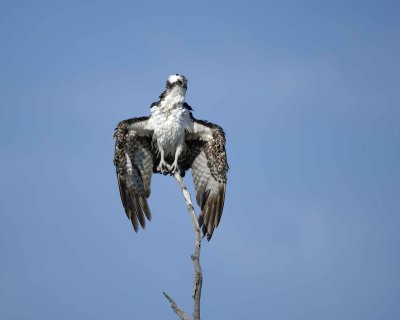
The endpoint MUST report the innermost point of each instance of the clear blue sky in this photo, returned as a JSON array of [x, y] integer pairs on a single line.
[[308, 94]]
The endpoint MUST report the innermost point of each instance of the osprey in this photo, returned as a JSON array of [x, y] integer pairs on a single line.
[[168, 141]]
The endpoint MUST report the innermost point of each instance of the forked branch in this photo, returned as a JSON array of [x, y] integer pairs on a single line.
[[198, 274]]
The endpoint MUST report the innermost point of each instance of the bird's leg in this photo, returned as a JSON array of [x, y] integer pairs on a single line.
[[174, 167], [163, 167]]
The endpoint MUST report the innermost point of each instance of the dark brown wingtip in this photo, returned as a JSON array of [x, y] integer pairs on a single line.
[[207, 218], [145, 207], [134, 222], [201, 220], [204, 230], [139, 211]]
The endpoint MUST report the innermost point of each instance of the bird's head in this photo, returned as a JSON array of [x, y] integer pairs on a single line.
[[177, 80]]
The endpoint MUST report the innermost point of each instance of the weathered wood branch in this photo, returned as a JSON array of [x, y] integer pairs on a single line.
[[198, 274], [181, 314]]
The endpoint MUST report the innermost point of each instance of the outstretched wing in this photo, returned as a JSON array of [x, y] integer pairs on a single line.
[[209, 169], [133, 160]]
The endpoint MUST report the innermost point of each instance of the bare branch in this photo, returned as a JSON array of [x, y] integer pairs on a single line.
[[198, 274], [182, 315]]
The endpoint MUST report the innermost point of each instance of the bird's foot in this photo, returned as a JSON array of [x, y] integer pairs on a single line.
[[174, 168], [164, 167]]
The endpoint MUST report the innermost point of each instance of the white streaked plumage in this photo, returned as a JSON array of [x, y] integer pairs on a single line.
[[171, 140], [169, 128]]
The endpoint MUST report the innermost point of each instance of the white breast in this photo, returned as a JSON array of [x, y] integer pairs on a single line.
[[169, 127]]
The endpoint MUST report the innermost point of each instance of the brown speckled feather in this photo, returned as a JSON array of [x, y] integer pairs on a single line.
[[205, 155], [134, 188], [171, 139], [209, 169]]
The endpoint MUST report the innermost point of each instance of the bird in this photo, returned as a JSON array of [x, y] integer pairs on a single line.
[[168, 141]]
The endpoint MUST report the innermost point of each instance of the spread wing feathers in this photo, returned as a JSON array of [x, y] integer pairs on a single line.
[[133, 160], [209, 170]]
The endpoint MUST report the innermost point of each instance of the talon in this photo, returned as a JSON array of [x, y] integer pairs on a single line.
[[164, 168], [174, 168]]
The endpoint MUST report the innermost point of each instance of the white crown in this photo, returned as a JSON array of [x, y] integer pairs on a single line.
[[174, 78]]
